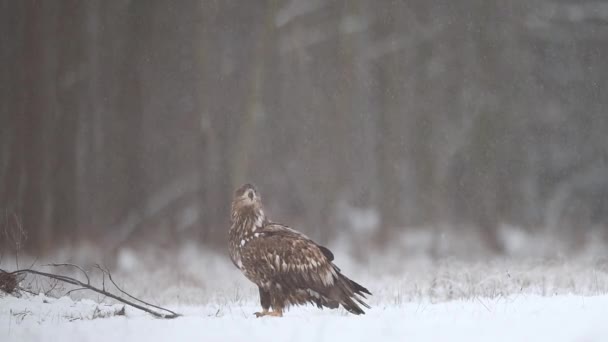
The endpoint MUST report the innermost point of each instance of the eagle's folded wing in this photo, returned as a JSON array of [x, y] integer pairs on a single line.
[[282, 258], [282, 230], [290, 258]]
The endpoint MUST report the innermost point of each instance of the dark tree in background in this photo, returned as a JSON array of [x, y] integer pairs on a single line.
[[125, 121]]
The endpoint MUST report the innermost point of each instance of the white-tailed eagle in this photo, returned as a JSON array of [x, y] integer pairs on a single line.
[[288, 267]]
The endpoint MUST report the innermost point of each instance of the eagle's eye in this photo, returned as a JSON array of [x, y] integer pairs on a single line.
[[250, 194]]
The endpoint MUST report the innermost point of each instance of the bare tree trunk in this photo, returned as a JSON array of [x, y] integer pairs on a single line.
[[36, 126]]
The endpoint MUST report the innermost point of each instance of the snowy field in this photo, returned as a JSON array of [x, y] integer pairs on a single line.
[[415, 299], [514, 318]]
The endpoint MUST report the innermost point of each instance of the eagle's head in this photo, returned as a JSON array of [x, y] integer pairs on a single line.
[[247, 194], [247, 205], [246, 197]]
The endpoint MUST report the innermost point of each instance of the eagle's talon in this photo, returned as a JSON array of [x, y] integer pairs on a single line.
[[261, 314], [268, 313]]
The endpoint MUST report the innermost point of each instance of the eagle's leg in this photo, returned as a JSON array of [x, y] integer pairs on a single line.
[[276, 313], [265, 301], [277, 302]]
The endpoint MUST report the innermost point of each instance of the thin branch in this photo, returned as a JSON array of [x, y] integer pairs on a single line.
[[15, 234], [103, 276], [74, 290], [130, 296], [72, 265], [53, 287], [34, 263], [28, 291], [76, 282]]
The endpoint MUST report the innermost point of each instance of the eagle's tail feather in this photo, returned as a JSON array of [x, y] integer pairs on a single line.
[[358, 289], [349, 295]]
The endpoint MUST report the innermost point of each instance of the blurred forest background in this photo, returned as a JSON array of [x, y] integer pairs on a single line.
[[126, 122]]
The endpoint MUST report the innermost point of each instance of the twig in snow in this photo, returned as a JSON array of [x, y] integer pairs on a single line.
[[146, 307], [74, 266]]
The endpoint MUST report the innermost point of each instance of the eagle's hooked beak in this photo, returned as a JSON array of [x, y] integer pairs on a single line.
[[246, 195], [249, 197]]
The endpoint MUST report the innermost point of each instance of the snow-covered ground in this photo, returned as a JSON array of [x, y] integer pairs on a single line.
[[513, 318], [415, 299]]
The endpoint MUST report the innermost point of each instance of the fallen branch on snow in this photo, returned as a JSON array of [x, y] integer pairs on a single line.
[[9, 284]]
